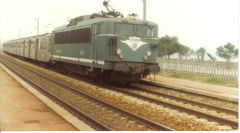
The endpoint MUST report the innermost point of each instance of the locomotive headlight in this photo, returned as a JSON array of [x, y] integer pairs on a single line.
[[149, 53], [119, 51], [121, 56], [145, 57]]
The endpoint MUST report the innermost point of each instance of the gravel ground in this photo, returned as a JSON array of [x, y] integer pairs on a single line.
[[210, 101], [172, 118], [196, 108]]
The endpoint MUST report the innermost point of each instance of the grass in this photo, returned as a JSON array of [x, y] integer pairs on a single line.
[[208, 80]]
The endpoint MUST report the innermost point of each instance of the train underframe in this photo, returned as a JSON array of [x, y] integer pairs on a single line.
[[121, 72]]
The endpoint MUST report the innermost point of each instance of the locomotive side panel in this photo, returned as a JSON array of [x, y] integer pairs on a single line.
[[73, 46]]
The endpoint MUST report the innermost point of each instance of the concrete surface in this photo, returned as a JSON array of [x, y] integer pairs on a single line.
[[20, 110]]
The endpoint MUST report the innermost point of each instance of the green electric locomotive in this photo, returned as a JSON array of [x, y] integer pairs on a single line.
[[122, 49]]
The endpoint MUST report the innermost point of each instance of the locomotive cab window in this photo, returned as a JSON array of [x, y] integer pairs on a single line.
[[145, 31], [83, 35], [124, 29]]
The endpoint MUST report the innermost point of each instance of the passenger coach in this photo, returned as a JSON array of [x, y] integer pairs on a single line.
[[37, 48]]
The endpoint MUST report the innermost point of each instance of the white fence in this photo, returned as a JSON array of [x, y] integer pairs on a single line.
[[227, 70]]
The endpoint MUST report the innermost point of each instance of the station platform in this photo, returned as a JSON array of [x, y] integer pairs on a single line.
[[197, 85], [22, 111]]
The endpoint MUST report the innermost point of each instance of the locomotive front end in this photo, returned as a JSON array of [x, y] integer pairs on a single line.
[[132, 49], [136, 55]]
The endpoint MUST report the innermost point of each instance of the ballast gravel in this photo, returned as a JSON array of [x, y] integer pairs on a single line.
[[190, 106], [206, 100]]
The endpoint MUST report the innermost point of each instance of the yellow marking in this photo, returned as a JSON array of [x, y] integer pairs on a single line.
[[81, 52], [58, 51]]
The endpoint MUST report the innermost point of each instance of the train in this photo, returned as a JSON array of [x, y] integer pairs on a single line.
[[105, 45]]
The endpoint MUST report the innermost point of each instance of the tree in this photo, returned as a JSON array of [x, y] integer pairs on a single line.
[[167, 46], [182, 50], [189, 53], [227, 51], [200, 53]]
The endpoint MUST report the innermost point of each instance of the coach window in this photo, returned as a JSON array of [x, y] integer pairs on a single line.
[[24, 43], [33, 45], [39, 43], [30, 43], [43, 43]]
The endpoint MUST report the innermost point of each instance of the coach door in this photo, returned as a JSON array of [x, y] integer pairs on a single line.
[[24, 47], [94, 43], [29, 48], [36, 49]]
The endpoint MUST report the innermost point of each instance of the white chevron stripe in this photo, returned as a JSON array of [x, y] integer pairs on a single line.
[[79, 59]]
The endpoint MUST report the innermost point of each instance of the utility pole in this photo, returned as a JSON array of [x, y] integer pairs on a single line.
[[19, 33], [144, 9], [37, 25]]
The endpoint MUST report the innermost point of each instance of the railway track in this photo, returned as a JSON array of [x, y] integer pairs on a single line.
[[103, 115], [186, 100], [155, 90], [230, 118], [158, 85]]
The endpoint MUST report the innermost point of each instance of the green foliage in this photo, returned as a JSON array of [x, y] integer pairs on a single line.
[[216, 81], [175, 75], [183, 50], [167, 46], [227, 51], [201, 53], [183, 76]]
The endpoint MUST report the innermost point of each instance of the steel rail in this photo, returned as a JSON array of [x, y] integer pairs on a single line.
[[154, 84], [217, 119], [189, 101]]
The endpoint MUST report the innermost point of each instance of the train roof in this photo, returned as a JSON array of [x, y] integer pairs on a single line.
[[88, 21], [29, 37]]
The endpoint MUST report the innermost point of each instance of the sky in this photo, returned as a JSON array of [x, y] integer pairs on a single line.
[[197, 23]]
